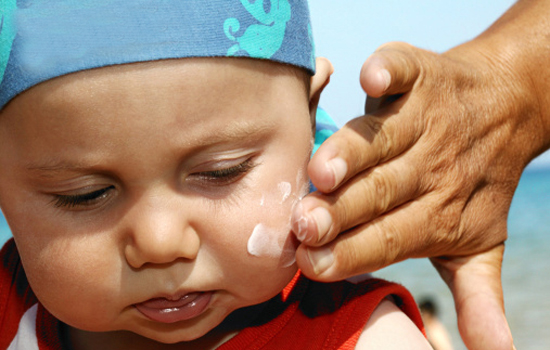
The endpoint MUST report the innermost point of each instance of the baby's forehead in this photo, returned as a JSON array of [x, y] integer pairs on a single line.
[[164, 85], [44, 39]]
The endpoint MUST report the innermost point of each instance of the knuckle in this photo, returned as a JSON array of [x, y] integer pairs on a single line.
[[389, 242], [383, 190], [385, 142], [446, 226]]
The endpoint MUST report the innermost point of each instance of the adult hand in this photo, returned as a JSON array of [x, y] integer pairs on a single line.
[[431, 169], [422, 176]]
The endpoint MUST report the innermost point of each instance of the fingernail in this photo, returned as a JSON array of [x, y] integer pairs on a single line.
[[323, 219], [321, 259], [299, 223], [386, 78], [339, 169]]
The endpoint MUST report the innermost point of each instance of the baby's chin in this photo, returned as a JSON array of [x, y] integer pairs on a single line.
[[148, 333], [212, 334], [176, 337]]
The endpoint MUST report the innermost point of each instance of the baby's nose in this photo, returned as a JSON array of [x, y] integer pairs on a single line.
[[160, 234]]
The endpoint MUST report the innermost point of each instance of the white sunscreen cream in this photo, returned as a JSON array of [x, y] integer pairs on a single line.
[[268, 242], [285, 188], [275, 242]]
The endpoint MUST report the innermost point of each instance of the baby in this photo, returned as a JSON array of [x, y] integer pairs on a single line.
[[148, 180]]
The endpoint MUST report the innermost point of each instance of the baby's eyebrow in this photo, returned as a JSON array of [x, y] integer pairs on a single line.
[[241, 131], [238, 132], [49, 168], [54, 166]]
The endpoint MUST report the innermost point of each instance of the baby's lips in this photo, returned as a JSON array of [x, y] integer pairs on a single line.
[[169, 311], [166, 303]]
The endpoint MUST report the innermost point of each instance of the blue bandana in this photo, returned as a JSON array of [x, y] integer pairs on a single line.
[[44, 39]]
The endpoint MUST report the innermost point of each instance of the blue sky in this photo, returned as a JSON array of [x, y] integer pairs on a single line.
[[348, 31]]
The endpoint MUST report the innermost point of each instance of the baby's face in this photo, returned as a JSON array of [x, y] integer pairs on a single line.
[[133, 191]]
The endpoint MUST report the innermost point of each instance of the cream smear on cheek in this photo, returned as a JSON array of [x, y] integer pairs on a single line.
[[265, 242], [277, 242]]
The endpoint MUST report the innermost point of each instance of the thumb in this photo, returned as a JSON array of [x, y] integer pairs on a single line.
[[475, 282]]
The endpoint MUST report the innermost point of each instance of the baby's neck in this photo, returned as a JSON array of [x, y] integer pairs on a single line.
[[81, 340]]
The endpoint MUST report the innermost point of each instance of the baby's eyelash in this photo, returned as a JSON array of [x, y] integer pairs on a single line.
[[228, 175], [85, 199], [219, 177]]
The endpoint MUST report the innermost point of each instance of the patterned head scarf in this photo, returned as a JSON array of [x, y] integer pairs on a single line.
[[44, 39]]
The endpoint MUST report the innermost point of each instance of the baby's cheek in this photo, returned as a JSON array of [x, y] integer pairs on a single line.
[[76, 288], [272, 237]]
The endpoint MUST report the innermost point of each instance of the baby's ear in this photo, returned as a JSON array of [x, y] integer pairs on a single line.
[[319, 81]]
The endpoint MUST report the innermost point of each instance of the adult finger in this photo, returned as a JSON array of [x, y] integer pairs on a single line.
[[392, 69], [361, 199], [390, 238], [362, 143], [475, 282]]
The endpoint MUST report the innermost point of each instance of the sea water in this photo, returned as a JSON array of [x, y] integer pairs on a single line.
[[526, 271]]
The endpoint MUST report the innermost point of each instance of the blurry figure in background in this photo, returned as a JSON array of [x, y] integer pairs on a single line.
[[438, 336]]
